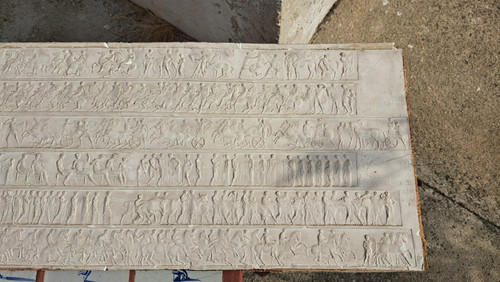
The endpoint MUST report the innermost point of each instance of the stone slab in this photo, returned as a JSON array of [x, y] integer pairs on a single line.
[[206, 157], [258, 21]]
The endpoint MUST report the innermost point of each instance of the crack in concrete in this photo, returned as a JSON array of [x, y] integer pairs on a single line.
[[421, 183]]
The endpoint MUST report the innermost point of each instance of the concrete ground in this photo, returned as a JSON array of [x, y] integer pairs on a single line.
[[452, 58]]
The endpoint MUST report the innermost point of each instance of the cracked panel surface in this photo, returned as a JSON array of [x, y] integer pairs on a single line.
[[206, 156]]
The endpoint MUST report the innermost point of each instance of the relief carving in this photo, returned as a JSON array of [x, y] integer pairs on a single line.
[[44, 207], [204, 156], [249, 207], [219, 246], [175, 63], [183, 97], [200, 133], [178, 169], [212, 207]]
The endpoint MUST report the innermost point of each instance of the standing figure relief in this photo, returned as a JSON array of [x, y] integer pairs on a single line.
[[42, 207], [167, 169]]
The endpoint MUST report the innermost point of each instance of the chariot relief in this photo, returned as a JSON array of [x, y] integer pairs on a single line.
[[205, 156], [201, 133]]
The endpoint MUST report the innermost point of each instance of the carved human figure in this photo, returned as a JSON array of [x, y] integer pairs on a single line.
[[154, 170], [347, 171], [322, 67], [74, 209], [76, 62], [315, 93], [61, 208], [290, 170], [346, 61], [271, 173], [197, 170], [336, 172], [187, 169], [175, 170], [229, 163], [8, 210], [99, 170], [394, 132], [202, 61], [62, 172], [272, 66], [128, 64], [348, 99], [309, 179], [87, 208], [217, 204], [166, 208], [300, 172], [113, 169], [251, 64], [139, 212], [311, 204], [143, 171], [368, 209], [122, 171], [291, 60], [404, 252], [388, 208], [39, 171], [269, 208], [227, 206], [217, 170], [260, 171], [23, 169], [358, 208], [149, 60], [82, 131], [206, 202], [154, 208], [106, 209], [347, 201], [252, 215], [80, 168], [164, 173], [175, 209]]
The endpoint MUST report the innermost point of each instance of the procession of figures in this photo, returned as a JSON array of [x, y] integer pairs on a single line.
[[178, 97], [189, 247], [198, 133], [178, 169], [54, 207], [219, 207], [248, 207], [180, 63]]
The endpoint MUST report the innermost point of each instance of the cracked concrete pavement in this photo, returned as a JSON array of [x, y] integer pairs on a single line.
[[451, 57]]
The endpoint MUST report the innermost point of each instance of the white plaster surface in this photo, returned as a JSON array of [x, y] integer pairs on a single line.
[[258, 21], [206, 157]]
